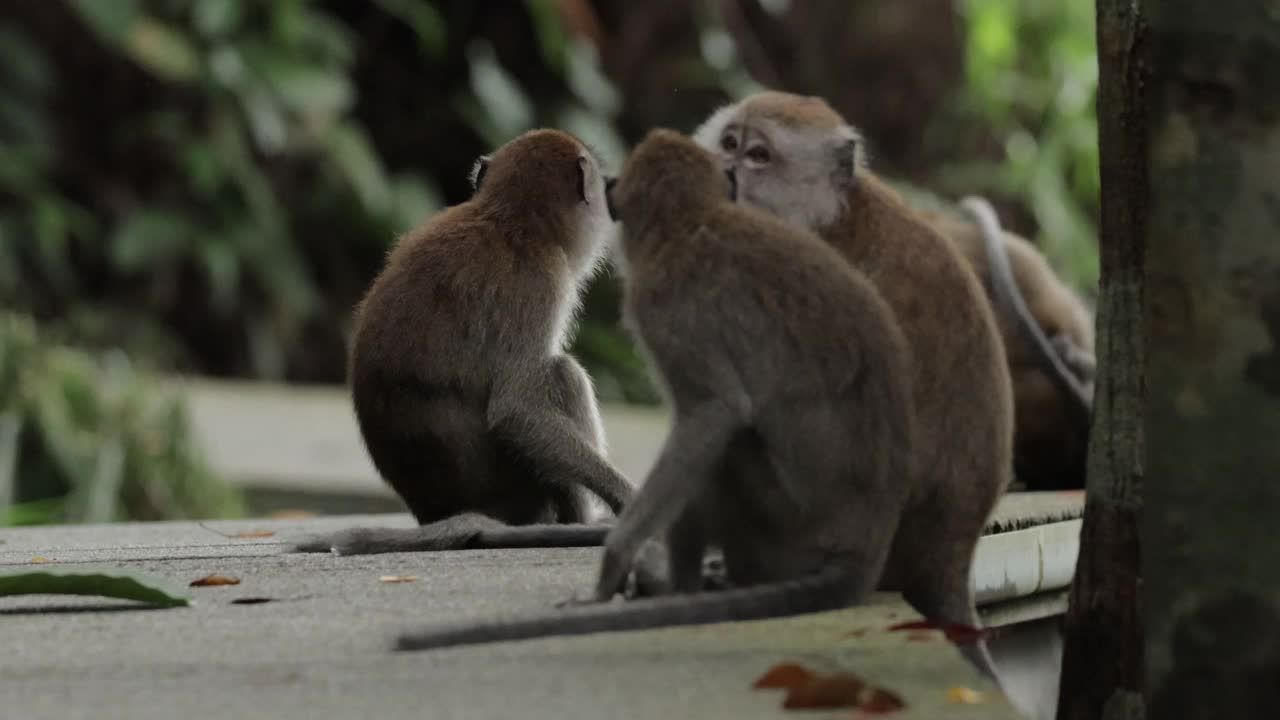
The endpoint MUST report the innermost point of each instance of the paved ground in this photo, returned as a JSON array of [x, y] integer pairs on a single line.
[[321, 649]]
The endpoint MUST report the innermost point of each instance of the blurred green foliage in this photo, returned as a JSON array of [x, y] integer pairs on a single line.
[[1032, 80], [210, 184], [255, 85], [92, 440]]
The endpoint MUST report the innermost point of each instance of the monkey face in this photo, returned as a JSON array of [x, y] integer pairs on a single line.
[[795, 163]]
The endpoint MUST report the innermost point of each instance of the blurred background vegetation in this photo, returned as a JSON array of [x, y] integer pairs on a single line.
[[207, 186]]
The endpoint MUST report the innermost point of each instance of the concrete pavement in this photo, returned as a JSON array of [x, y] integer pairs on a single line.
[[321, 648]]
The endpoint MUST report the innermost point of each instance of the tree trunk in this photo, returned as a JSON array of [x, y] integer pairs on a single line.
[[1212, 584], [1102, 645]]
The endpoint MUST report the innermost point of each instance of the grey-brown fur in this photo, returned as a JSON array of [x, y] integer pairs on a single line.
[[1049, 345], [466, 401], [791, 443], [797, 158]]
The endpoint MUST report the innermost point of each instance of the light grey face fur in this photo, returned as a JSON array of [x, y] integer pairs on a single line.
[[799, 175]]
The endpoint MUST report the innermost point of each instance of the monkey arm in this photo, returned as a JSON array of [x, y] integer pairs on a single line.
[[696, 442], [1081, 362], [548, 440], [1007, 294]]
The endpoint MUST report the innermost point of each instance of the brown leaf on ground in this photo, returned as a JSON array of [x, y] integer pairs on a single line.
[[919, 636], [784, 675], [39, 559], [811, 690], [291, 514], [397, 578], [214, 580], [836, 690], [856, 633], [251, 600], [878, 701], [955, 632]]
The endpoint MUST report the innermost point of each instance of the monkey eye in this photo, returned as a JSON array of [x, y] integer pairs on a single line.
[[759, 154], [729, 143]]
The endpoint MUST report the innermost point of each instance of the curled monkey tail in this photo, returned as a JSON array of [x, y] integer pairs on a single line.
[[1010, 300], [828, 589]]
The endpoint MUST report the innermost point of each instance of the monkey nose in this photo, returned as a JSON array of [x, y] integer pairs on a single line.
[[733, 184]]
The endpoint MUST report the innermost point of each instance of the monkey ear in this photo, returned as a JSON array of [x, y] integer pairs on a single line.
[[478, 170], [848, 157], [582, 180]]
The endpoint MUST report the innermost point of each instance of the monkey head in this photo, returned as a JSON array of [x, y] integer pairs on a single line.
[[791, 155], [668, 173], [548, 177]]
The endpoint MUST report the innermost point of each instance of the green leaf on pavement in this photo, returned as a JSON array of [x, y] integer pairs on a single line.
[[104, 582]]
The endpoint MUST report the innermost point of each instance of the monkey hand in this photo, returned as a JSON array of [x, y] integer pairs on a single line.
[[614, 569], [1081, 362], [714, 574], [649, 574]]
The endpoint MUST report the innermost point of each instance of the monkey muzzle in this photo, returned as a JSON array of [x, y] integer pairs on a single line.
[[733, 184], [609, 182]]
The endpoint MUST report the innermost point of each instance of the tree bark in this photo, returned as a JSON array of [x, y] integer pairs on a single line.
[[1212, 583], [1102, 668]]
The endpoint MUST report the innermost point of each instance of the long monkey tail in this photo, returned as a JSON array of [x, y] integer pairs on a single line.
[[828, 589], [1009, 297]]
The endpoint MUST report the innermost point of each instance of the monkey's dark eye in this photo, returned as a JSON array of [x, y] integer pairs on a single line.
[[729, 143], [759, 154]]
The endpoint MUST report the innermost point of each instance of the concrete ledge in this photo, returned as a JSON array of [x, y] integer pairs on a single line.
[[321, 647]]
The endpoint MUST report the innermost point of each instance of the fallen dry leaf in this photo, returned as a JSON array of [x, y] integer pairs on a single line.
[[856, 633], [955, 632], [251, 600], [964, 695], [397, 578], [212, 580], [836, 690], [784, 675], [291, 514], [808, 689], [39, 559], [919, 635], [878, 701], [243, 534]]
